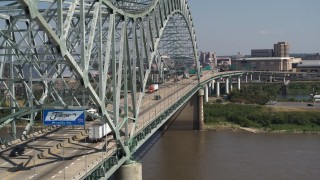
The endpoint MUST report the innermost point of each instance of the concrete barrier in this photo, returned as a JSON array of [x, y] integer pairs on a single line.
[[56, 148], [47, 152]]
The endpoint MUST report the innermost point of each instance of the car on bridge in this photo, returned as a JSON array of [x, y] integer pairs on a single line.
[[17, 151], [92, 111]]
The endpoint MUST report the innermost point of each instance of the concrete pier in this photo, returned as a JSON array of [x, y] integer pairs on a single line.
[[212, 87], [130, 171], [218, 89], [201, 120], [227, 86], [206, 93]]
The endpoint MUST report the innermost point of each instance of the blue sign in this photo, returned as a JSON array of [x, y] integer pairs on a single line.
[[63, 117]]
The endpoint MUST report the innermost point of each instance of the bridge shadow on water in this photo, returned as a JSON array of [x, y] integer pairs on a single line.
[[185, 119]]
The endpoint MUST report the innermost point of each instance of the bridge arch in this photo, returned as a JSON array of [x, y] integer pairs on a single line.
[[85, 54]]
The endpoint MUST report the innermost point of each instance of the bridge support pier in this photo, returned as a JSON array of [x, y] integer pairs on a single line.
[[218, 89], [227, 85], [239, 83], [206, 93], [212, 87], [130, 171], [201, 120]]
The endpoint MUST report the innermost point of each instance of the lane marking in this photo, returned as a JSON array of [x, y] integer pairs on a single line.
[[65, 134], [75, 150], [4, 163], [53, 177], [32, 176], [29, 152], [60, 172], [49, 142]]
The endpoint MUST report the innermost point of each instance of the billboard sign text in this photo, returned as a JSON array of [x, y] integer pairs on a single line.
[[63, 117]]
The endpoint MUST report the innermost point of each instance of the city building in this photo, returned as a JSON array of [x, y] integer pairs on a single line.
[[313, 57], [222, 61], [207, 58], [309, 66], [281, 49], [266, 63], [261, 52], [276, 59]]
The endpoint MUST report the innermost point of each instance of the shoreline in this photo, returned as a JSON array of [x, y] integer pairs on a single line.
[[225, 126]]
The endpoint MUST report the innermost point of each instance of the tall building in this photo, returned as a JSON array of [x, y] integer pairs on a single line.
[[281, 49], [207, 58]]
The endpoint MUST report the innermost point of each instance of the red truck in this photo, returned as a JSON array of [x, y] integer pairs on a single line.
[[153, 88]]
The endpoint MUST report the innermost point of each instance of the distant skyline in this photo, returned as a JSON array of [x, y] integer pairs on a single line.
[[231, 26]]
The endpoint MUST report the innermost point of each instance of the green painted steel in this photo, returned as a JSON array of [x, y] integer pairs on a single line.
[[103, 54], [83, 54]]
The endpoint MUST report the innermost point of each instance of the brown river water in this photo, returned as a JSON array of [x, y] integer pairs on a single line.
[[215, 155], [194, 155]]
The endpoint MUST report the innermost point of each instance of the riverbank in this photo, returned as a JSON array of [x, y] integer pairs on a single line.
[[262, 119], [225, 126]]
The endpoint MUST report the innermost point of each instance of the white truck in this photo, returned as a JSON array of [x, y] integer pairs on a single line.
[[153, 88], [98, 131], [185, 76]]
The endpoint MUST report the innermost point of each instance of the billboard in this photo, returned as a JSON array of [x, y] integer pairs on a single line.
[[63, 117]]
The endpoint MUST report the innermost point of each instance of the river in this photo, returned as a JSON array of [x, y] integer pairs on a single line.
[[208, 155], [193, 155]]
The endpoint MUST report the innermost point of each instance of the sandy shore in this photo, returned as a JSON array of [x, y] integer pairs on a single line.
[[225, 126]]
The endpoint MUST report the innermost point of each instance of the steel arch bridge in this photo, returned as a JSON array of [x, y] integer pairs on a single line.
[[79, 54]]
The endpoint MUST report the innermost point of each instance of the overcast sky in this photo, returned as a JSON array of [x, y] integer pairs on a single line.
[[230, 26]]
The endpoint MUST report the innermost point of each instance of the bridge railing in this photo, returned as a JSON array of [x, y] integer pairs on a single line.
[[176, 92]]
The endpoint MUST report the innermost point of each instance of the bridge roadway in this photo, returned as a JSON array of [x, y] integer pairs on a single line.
[[75, 156]]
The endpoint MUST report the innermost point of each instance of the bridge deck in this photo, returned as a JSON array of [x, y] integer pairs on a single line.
[[78, 156]]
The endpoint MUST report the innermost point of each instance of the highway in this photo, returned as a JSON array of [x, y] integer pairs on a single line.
[[76, 156], [303, 105]]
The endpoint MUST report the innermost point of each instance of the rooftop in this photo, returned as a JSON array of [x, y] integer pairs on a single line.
[[309, 63], [262, 58]]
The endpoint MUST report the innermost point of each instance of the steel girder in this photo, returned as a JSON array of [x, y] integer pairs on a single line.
[[78, 54]]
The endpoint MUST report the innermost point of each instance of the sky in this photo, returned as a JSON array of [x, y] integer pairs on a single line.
[[231, 26]]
